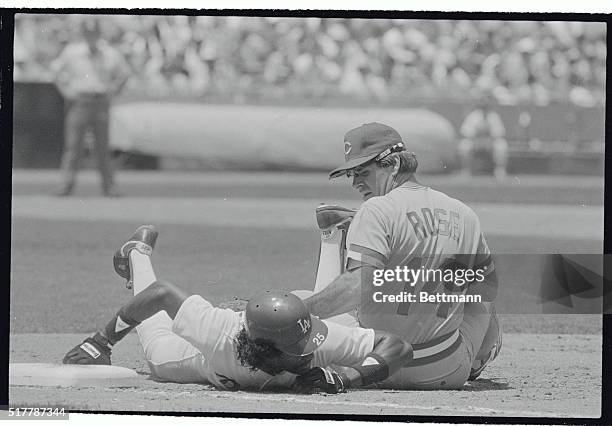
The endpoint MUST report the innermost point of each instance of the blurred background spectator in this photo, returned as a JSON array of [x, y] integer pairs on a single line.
[[241, 59], [483, 148], [544, 81], [88, 73]]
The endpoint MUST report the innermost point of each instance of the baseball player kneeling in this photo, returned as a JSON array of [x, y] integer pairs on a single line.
[[274, 343], [403, 225]]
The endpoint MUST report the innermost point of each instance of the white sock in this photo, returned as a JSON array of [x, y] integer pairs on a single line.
[[330, 259], [331, 264], [142, 271]]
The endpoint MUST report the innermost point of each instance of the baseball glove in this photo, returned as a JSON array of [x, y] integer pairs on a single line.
[[93, 351]]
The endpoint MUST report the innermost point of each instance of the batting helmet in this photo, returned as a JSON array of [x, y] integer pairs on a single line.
[[282, 318]]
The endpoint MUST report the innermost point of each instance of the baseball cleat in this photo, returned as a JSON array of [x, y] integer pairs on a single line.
[[479, 364], [331, 216], [143, 240]]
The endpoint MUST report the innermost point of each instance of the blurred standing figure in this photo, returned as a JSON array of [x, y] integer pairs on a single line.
[[88, 73], [483, 149]]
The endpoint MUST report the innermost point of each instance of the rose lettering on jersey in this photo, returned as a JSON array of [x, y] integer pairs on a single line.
[[454, 224], [438, 222], [417, 225], [442, 223], [429, 219]]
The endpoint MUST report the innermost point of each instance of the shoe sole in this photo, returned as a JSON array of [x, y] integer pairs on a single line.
[[329, 207], [139, 245]]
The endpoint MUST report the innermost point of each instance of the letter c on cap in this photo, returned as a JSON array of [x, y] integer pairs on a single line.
[[347, 148]]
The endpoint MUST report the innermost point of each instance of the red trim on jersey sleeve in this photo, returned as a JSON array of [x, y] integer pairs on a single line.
[[366, 256]]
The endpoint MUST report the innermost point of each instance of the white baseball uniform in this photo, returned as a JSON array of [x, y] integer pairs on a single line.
[[199, 347]]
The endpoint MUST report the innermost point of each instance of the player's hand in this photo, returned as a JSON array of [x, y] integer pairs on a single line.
[[93, 351], [319, 379]]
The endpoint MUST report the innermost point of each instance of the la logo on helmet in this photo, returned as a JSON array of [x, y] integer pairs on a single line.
[[304, 325]]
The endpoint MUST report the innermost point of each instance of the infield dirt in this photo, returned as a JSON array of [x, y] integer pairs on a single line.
[[222, 242], [523, 381]]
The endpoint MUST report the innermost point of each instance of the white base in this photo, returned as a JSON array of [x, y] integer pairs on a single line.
[[42, 374]]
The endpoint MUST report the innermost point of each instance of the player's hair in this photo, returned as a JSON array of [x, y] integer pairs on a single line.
[[407, 161], [253, 353]]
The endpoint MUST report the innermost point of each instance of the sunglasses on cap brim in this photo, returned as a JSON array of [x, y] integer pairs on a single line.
[[398, 147]]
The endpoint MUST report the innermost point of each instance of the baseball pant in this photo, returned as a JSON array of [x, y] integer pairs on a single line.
[[170, 357], [448, 369], [87, 113], [461, 356]]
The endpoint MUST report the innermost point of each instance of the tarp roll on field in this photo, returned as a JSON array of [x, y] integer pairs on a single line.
[[260, 136]]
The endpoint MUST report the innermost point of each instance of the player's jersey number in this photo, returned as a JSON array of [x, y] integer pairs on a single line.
[[431, 286]]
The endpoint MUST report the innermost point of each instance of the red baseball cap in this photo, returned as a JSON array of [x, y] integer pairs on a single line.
[[370, 141]]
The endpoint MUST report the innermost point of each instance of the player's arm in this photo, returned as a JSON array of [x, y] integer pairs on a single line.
[[498, 130], [367, 250], [484, 265], [59, 72], [159, 296], [389, 354], [468, 127], [121, 71], [341, 295]]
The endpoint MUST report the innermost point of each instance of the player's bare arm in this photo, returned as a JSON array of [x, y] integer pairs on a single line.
[[342, 295], [488, 287], [389, 354], [159, 296]]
